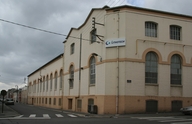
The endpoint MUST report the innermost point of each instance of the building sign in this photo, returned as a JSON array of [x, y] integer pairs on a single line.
[[115, 42]]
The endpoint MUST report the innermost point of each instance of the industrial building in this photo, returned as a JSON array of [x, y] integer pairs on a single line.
[[121, 60]]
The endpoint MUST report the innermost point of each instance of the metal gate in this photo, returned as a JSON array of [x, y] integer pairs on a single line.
[[176, 105], [151, 106]]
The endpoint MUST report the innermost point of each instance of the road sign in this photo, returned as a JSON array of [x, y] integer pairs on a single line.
[[3, 92]]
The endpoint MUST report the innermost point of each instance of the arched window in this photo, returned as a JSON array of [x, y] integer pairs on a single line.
[[51, 80], [61, 79], [151, 29], [72, 48], [92, 74], [71, 78], [47, 84], [151, 68], [176, 70], [56, 80], [43, 83]]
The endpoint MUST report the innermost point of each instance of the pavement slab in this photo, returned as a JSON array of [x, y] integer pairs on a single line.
[[7, 112]]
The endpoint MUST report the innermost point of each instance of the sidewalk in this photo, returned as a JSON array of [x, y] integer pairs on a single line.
[[7, 112]]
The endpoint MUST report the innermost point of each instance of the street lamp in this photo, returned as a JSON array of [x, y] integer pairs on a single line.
[[17, 93], [95, 54]]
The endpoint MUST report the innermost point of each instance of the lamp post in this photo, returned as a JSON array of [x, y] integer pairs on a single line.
[[17, 93], [95, 54]]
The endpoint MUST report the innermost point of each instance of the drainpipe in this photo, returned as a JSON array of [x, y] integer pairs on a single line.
[[117, 95], [62, 81]]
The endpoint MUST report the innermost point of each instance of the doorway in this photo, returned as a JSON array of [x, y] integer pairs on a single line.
[[70, 102]]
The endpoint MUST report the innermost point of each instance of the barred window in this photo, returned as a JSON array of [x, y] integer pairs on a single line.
[[72, 48], [176, 70], [61, 79], [56, 80], [175, 32], [54, 101], [71, 79], [59, 102], [151, 29], [44, 83], [151, 67], [51, 80], [92, 70], [47, 84], [90, 101]]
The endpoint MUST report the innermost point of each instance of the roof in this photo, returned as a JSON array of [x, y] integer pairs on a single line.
[[61, 55], [105, 7], [147, 9]]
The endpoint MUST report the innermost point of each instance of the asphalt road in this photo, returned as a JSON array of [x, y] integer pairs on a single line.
[[39, 115]]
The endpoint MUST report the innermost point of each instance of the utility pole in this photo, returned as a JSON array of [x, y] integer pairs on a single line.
[[17, 93]]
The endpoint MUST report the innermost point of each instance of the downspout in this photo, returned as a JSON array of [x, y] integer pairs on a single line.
[[62, 81], [79, 91], [80, 65], [117, 95]]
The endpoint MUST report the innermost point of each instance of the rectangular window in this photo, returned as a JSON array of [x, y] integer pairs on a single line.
[[90, 101], [72, 48], [79, 103], [93, 35], [54, 101], [49, 101], [59, 101], [45, 100], [175, 32], [150, 29]]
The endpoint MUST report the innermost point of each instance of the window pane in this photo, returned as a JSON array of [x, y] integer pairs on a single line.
[[150, 29], [92, 70], [151, 68], [176, 70], [71, 77], [175, 32]]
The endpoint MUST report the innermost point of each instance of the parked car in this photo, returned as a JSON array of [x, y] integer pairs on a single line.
[[9, 101], [186, 110]]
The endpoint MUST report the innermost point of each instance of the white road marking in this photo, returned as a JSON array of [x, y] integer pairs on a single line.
[[19, 116], [32, 115], [73, 116], [182, 119], [183, 123], [59, 115], [46, 116]]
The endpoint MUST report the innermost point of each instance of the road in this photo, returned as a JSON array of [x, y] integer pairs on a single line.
[[39, 115]]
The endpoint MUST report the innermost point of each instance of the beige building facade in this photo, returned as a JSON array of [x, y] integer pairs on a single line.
[[122, 60], [45, 85]]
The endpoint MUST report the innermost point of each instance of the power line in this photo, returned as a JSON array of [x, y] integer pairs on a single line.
[[32, 27], [51, 32]]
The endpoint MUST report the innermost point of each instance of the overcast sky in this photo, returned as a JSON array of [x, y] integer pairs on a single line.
[[23, 50]]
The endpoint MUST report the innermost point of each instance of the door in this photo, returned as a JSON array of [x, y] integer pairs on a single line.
[[151, 106], [70, 102]]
